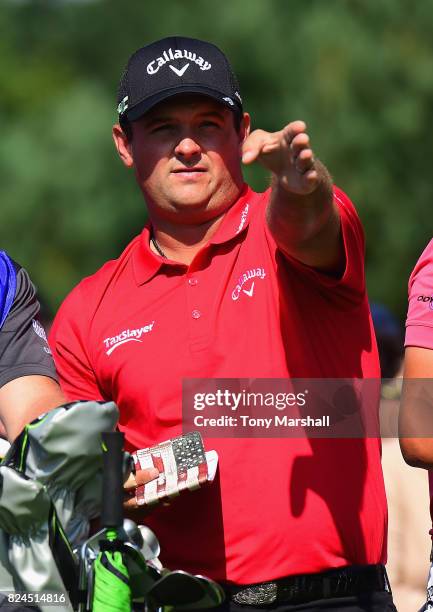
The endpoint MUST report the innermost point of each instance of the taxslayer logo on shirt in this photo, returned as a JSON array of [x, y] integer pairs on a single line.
[[127, 335], [426, 299], [170, 55], [243, 286]]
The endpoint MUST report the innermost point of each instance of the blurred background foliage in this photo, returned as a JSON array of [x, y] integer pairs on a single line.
[[359, 72]]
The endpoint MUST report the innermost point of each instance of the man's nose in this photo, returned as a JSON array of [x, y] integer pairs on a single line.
[[187, 148]]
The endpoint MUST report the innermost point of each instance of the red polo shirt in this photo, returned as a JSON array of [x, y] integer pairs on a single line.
[[141, 324]]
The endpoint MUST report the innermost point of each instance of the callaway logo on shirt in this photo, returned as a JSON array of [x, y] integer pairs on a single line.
[[168, 56], [249, 274], [127, 335]]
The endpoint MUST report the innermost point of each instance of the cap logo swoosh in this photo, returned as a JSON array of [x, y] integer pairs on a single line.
[[180, 72]]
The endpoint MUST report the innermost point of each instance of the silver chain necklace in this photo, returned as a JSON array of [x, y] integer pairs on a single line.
[[157, 247]]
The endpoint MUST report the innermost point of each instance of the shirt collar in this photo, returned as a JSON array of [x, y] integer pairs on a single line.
[[236, 219], [147, 264]]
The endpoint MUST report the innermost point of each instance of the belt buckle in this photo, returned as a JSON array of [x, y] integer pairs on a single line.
[[265, 593]]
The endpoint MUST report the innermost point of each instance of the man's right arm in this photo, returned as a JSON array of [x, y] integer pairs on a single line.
[[302, 214], [69, 342]]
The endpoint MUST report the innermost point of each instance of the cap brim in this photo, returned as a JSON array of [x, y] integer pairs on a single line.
[[144, 106]]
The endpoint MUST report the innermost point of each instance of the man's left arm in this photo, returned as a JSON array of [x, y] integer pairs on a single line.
[[28, 380], [302, 214], [25, 398]]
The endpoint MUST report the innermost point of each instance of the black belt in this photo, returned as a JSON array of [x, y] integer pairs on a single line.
[[343, 582]]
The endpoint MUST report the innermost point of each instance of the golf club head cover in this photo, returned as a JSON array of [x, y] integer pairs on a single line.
[[62, 450], [38, 558]]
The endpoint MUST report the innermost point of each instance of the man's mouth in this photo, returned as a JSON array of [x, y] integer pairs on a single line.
[[185, 170]]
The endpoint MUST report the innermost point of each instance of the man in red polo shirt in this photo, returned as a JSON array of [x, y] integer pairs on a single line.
[[227, 283]]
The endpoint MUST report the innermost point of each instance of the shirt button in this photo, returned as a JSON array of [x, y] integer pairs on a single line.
[[192, 281], [196, 314]]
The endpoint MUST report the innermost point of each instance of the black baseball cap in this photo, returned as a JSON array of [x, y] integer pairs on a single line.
[[173, 66]]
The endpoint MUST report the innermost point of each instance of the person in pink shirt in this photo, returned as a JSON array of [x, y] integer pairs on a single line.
[[418, 364]]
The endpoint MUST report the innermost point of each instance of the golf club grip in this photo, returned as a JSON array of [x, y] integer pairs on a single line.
[[112, 488]]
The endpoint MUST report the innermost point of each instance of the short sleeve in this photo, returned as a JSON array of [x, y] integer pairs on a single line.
[[350, 287], [419, 321], [68, 342], [24, 350]]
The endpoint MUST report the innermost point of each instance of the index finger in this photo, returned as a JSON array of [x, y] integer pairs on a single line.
[[141, 477], [294, 128]]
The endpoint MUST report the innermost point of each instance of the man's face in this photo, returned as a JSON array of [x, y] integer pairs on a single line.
[[186, 155]]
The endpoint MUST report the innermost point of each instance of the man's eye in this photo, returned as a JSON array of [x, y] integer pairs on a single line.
[[164, 127], [209, 124]]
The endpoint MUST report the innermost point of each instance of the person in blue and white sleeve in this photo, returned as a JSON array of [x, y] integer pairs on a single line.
[[28, 380]]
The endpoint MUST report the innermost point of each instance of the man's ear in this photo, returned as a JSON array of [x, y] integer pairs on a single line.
[[245, 128], [122, 145]]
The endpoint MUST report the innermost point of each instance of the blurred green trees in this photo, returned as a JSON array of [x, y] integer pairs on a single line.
[[359, 72]]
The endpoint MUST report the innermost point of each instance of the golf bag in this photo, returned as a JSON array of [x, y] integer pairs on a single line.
[[51, 486]]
